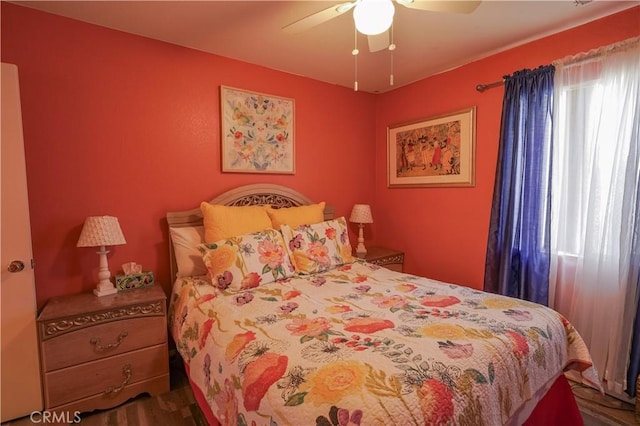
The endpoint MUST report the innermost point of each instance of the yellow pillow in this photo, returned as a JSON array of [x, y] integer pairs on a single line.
[[296, 216], [222, 222]]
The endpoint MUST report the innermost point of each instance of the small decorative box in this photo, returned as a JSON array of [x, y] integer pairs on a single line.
[[131, 281]]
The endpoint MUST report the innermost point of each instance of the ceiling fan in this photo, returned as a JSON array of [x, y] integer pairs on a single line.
[[374, 17]]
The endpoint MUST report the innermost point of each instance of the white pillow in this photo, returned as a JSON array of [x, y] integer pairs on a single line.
[[186, 242]]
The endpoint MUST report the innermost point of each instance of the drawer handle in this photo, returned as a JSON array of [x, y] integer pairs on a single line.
[[96, 342], [126, 371]]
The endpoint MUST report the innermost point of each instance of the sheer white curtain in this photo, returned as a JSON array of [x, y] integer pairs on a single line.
[[595, 183]]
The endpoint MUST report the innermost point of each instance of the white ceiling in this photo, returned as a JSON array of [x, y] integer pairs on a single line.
[[427, 42]]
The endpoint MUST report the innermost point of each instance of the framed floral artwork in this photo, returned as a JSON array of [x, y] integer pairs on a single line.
[[257, 132], [437, 151]]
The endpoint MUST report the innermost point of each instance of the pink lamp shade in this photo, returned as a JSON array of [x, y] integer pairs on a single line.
[[101, 231], [361, 213]]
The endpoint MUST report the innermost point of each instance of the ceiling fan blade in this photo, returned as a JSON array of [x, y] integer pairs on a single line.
[[441, 6], [318, 18], [378, 42]]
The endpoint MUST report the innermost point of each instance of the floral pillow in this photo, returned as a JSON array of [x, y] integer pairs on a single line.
[[246, 261], [320, 246]]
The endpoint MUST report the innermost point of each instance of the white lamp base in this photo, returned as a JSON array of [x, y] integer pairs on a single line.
[[105, 286], [105, 289], [361, 250]]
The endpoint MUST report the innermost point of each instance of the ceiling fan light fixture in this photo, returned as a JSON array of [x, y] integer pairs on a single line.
[[373, 16]]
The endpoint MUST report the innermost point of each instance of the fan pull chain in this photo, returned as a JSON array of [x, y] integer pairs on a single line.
[[355, 52], [392, 47]]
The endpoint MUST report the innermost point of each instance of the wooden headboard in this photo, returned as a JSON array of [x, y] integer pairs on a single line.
[[277, 196]]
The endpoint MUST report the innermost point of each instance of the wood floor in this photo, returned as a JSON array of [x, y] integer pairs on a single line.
[[598, 410], [178, 408]]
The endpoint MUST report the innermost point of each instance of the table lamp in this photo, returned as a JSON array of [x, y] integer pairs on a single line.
[[101, 231], [361, 214]]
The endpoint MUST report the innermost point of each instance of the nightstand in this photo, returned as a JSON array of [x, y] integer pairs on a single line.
[[389, 258], [97, 352]]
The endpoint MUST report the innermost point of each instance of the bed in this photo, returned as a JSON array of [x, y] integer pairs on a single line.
[[312, 335]]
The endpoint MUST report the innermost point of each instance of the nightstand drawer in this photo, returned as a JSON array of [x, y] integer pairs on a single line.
[[107, 377], [100, 341]]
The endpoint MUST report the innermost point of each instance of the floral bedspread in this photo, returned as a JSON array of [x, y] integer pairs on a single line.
[[365, 345]]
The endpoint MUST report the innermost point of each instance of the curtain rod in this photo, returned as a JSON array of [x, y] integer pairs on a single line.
[[596, 53], [580, 57], [482, 87]]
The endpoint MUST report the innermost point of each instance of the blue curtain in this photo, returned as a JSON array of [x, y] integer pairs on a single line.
[[634, 361], [517, 262]]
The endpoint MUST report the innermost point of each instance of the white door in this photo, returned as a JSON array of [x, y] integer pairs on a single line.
[[20, 391]]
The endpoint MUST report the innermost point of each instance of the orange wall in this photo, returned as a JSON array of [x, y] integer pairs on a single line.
[[127, 126], [444, 230]]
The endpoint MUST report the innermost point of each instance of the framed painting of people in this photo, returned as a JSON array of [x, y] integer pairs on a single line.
[[433, 152]]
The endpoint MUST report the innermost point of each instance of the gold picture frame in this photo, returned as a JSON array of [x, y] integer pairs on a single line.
[[256, 132], [433, 152]]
